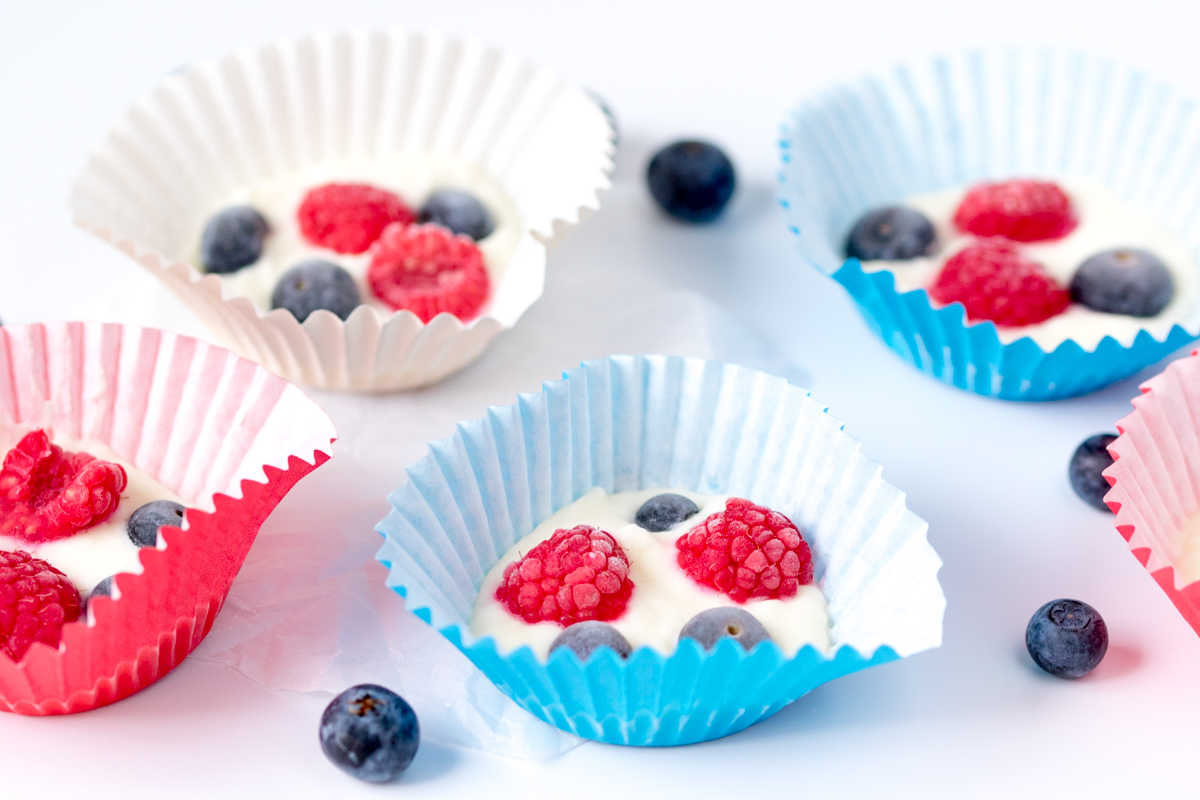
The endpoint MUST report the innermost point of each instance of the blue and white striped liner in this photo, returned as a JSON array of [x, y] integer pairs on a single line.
[[959, 119], [634, 422]]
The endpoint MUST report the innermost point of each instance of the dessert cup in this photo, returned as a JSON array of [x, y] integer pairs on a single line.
[[257, 114], [634, 422], [221, 432], [1155, 477], [953, 121]]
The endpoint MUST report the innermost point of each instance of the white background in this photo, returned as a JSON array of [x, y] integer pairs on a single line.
[[971, 719]]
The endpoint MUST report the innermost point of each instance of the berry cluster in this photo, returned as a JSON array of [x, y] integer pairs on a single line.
[[36, 600], [994, 280]]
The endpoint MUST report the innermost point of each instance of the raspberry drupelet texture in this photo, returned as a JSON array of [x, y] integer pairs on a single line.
[[349, 217], [36, 600], [746, 551], [994, 281], [47, 493], [1021, 210], [427, 270], [577, 574]]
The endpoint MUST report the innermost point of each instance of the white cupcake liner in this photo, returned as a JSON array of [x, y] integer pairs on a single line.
[[256, 114]]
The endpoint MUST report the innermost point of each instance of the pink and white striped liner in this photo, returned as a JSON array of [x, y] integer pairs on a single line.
[[222, 432]]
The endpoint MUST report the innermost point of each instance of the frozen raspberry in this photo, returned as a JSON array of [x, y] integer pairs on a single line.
[[1023, 210], [36, 600], [577, 574], [348, 217], [428, 270], [994, 281], [746, 551], [47, 493]]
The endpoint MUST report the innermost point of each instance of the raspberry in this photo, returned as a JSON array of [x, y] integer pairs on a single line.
[[428, 270], [36, 600], [1023, 210], [994, 281], [348, 217], [577, 574], [47, 493], [746, 551]]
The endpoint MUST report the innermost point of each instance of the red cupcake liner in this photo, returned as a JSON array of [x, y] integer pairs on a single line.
[[220, 431]]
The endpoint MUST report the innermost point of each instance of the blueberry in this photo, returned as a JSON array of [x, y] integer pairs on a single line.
[[584, 637], [1123, 281], [691, 180], [1067, 638], [144, 523], [370, 732], [315, 284], [892, 233], [714, 624], [459, 211], [1091, 459], [232, 239], [664, 511], [103, 588], [608, 114]]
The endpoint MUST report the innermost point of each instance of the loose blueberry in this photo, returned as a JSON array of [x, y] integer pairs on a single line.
[[893, 233], [714, 624], [315, 284], [1091, 458], [370, 732], [144, 523], [584, 637], [1123, 281], [664, 511], [691, 180], [232, 239], [459, 211], [1066, 638]]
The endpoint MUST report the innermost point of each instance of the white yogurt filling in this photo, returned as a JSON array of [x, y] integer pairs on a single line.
[[664, 597], [93, 554], [1106, 222], [413, 176]]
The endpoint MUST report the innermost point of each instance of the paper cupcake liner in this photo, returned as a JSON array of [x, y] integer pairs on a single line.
[[634, 422], [215, 126], [219, 431], [956, 120], [1155, 477]]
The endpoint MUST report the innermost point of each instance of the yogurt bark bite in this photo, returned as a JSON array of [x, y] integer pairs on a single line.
[[1052, 261], [72, 515], [649, 568]]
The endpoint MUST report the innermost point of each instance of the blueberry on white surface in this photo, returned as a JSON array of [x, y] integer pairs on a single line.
[[713, 624], [691, 180], [1088, 463], [892, 233], [1066, 638], [316, 284], [144, 522], [232, 239], [370, 732], [585, 637], [664, 511], [459, 211], [1123, 281]]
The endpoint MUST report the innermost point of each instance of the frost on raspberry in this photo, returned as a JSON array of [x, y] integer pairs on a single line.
[[47, 493], [746, 551], [994, 281], [1021, 210], [426, 269], [577, 574], [349, 217], [36, 600]]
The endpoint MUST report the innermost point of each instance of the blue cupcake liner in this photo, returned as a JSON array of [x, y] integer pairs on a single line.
[[636, 422], [988, 115]]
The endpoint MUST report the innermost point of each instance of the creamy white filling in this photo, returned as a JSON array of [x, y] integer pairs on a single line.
[[664, 597], [413, 176], [93, 554], [1105, 222]]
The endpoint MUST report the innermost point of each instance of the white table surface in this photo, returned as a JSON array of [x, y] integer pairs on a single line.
[[973, 718]]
